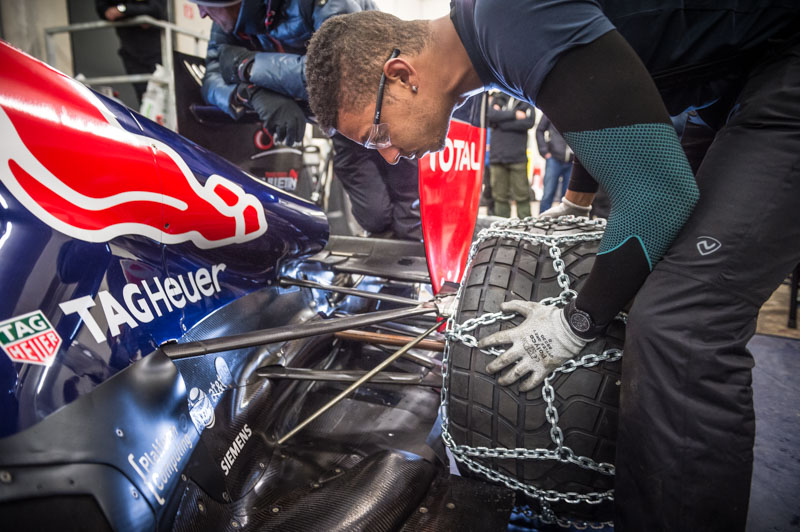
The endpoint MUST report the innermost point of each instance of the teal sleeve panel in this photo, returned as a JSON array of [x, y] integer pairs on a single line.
[[648, 180]]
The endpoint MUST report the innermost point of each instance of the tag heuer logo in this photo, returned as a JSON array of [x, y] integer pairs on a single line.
[[29, 339]]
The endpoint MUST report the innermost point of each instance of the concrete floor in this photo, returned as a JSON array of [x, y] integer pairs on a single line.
[[775, 495], [774, 316]]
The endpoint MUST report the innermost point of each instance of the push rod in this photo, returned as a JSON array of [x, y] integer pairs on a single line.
[[288, 332], [388, 339], [286, 281], [304, 374], [367, 376], [375, 338]]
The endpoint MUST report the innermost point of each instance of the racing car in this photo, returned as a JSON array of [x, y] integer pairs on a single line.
[[186, 347]]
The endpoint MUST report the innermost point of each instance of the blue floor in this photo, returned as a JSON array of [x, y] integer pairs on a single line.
[[775, 495]]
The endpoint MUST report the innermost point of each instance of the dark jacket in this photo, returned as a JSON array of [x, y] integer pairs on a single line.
[[283, 37], [509, 141], [552, 143], [137, 42]]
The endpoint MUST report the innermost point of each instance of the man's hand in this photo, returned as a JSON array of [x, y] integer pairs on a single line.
[[281, 115], [539, 344], [235, 63], [112, 14], [520, 114], [566, 207]]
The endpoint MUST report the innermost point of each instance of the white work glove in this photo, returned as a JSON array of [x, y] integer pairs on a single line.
[[566, 207], [540, 344]]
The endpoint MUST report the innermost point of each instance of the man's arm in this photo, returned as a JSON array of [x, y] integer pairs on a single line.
[[541, 143], [603, 100], [497, 117], [155, 8], [520, 124], [581, 181], [101, 6], [280, 114], [215, 90], [280, 72], [284, 73]]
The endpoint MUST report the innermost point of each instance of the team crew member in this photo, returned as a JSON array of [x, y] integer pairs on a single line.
[[702, 266], [256, 59], [140, 46], [510, 120]]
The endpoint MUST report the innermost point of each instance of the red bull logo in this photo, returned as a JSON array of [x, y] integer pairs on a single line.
[[68, 160]]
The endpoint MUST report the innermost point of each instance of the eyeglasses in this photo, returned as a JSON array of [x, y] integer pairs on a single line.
[[378, 137]]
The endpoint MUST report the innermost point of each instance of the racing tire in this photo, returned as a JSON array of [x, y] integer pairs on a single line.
[[485, 414]]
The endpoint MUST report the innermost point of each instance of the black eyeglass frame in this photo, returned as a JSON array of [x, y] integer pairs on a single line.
[[379, 133]]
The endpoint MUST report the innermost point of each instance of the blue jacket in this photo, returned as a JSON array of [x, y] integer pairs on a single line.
[[282, 38]]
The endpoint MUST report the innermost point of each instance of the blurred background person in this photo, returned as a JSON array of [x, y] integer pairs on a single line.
[[509, 120], [140, 45], [558, 162], [256, 60]]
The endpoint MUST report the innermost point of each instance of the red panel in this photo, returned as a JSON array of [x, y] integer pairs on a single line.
[[450, 189]]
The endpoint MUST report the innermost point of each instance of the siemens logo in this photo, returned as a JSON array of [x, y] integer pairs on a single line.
[[235, 449]]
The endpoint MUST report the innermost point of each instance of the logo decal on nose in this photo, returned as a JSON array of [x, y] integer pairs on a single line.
[[707, 245], [69, 161]]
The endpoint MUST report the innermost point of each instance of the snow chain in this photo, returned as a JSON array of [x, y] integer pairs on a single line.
[[517, 230]]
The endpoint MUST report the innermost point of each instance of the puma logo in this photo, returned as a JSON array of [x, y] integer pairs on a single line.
[[707, 245]]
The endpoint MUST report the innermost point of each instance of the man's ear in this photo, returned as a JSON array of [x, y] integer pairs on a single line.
[[400, 70]]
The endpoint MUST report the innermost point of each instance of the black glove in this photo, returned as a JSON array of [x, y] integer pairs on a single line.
[[235, 63], [281, 115]]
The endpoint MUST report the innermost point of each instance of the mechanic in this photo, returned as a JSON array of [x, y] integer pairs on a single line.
[[140, 46], [255, 60], [510, 120], [703, 255]]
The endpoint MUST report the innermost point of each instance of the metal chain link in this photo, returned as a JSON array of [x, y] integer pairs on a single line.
[[519, 230], [565, 523]]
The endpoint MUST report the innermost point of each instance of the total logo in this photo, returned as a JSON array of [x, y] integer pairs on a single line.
[[456, 156], [202, 403]]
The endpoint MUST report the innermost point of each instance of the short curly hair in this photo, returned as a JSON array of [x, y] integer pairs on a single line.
[[345, 59]]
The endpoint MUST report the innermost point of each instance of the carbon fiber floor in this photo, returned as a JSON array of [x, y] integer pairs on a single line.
[[365, 464]]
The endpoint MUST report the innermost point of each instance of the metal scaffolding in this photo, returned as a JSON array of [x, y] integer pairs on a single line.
[[167, 35]]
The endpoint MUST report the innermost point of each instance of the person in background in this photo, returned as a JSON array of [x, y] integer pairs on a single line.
[[696, 257], [509, 120], [557, 166], [140, 45], [255, 60]]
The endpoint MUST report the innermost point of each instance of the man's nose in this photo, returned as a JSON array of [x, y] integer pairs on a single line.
[[391, 154]]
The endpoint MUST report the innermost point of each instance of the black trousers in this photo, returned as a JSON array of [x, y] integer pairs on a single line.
[[687, 426], [385, 197], [140, 52]]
